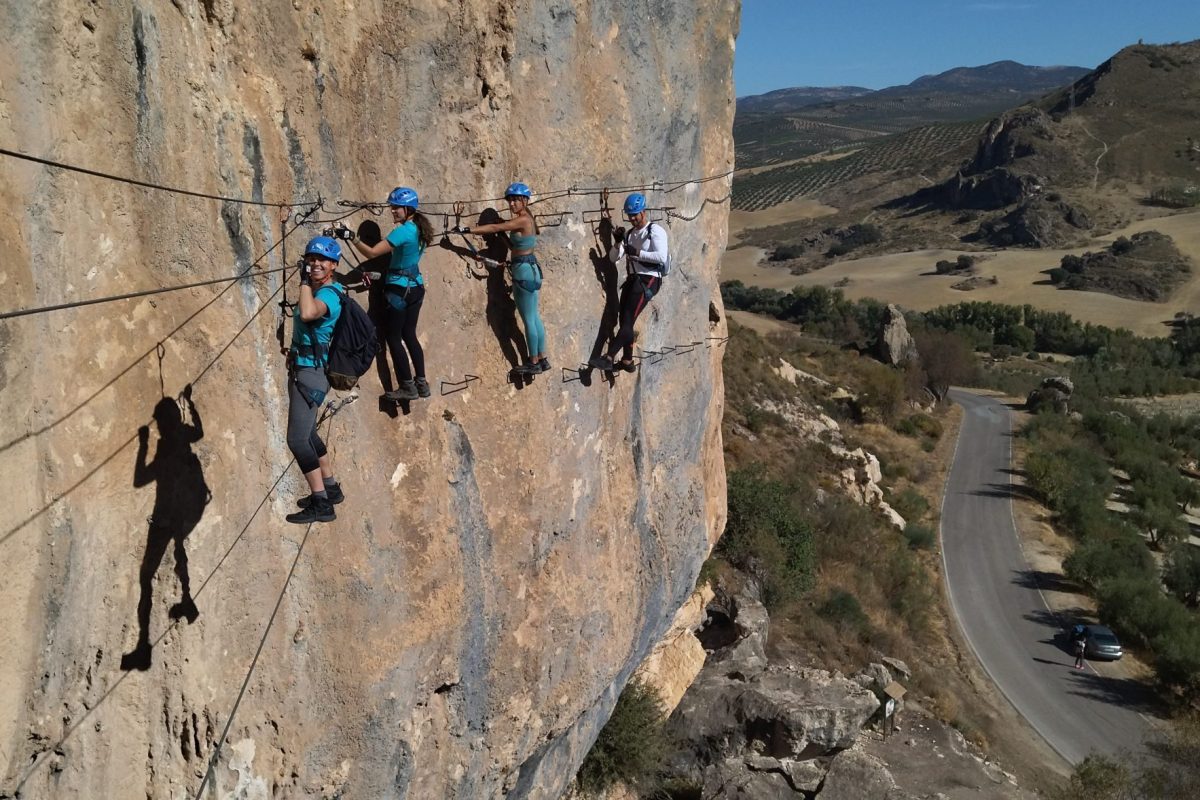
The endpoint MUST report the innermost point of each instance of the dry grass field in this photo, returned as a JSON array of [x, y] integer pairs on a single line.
[[907, 279]]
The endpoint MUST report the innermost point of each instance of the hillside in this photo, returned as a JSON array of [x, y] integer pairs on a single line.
[[508, 550], [1113, 155], [797, 97], [771, 128]]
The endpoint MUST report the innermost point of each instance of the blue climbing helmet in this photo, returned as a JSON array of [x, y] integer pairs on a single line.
[[517, 189], [325, 247], [403, 197], [635, 204]]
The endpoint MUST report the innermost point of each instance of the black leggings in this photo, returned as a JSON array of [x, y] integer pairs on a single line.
[[307, 387], [635, 296], [400, 331]]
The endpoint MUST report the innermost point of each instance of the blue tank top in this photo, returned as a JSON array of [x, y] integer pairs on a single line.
[[522, 242]]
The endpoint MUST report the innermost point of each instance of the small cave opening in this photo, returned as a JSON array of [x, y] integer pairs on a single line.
[[719, 631], [774, 735]]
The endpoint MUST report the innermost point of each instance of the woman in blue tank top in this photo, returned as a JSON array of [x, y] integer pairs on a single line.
[[404, 290], [526, 273]]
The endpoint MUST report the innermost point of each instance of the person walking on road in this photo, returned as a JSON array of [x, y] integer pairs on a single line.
[[1079, 645]]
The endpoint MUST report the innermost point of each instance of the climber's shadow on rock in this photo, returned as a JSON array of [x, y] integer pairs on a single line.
[[606, 275], [179, 500], [501, 309]]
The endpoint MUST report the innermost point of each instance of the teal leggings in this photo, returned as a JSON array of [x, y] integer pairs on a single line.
[[527, 281]]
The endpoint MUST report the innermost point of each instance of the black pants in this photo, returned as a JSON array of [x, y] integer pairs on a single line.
[[635, 296], [307, 387], [400, 331]]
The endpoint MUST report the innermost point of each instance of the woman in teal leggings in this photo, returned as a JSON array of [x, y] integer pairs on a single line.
[[522, 233]]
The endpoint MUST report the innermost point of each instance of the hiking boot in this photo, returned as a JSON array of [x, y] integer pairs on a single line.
[[601, 362], [407, 391], [528, 368], [544, 365], [422, 387], [335, 494], [628, 366], [319, 510]]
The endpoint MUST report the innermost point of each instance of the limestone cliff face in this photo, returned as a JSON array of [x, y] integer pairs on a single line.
[[505, 557]]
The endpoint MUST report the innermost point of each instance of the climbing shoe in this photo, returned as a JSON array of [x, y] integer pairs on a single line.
[[407, 391], [319, 510], [422, 387], [544, 365], [601, 362], [335, 493]]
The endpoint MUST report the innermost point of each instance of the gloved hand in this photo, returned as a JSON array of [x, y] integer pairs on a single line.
[[619, 235], [305, 276], [460, 229]]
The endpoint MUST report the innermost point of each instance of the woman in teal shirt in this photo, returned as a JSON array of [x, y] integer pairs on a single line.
[[404, 288], [526, 273], [312, 331]]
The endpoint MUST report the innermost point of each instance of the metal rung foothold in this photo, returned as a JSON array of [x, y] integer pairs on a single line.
[[450, 387]]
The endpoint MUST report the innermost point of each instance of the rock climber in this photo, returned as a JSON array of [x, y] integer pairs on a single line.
[[312, 330], [646, 255], [404, 289], [522, 230]]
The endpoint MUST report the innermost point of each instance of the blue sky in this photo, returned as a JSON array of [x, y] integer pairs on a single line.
[[878, 43]]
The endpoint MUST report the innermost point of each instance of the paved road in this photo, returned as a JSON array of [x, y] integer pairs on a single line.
[[999, 607]]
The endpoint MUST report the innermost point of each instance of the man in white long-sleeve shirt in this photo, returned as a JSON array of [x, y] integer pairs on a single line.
[[646, 255]]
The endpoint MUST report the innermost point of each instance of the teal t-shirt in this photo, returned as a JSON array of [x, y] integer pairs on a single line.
[[405, 268], [309, 337]]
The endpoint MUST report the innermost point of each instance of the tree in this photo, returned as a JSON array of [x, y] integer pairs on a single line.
[[947, 360], [1182, 574]]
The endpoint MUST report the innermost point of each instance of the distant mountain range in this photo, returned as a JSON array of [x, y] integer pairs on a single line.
[[1010, 79], [789, 124]]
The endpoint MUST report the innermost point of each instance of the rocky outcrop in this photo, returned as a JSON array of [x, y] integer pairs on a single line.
[[1053, 393], [677, 659], [782, 712], [507, 553], [861, 475], [896, 345], [1040, 222]]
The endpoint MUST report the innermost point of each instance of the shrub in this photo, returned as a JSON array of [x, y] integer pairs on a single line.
[[1096, 560], [766, 536], [1182, 574], [843, 609], [631, 745], [920, 537], [786, 252], [909, 504], [918, 425], [1098, 778], [944, 267]]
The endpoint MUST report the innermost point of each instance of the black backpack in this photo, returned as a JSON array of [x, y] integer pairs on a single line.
[[353, 346]]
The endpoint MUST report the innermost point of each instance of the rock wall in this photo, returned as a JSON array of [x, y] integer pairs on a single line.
[[506, 555]]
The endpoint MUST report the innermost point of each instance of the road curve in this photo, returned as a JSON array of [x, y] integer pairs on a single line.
[[996, 599]]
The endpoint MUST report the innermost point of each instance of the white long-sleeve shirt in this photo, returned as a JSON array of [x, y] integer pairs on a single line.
[[646, 250]]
